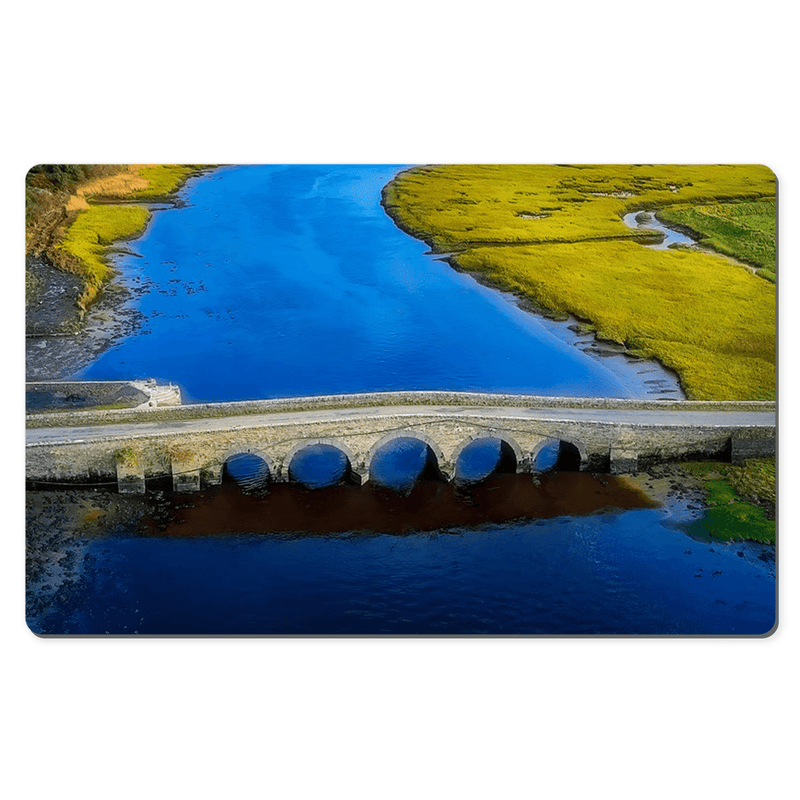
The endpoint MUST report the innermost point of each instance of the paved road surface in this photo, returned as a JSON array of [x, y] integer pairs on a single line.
[[661, 418]]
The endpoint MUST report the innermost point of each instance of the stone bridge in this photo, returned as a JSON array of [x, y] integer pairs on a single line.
[[192, 443]]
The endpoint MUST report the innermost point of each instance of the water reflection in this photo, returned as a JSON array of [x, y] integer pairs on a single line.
[[400, 463], [482, 457], [248, 470], [319, 465], [430, 504]]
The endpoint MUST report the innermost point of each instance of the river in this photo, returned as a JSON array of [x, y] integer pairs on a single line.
[[275, 281]]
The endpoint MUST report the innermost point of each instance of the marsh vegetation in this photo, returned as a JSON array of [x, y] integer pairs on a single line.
[[743, 230], [71, 221], [555, 236]]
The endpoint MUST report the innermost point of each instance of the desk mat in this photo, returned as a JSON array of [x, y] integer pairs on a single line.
[[516, 400]]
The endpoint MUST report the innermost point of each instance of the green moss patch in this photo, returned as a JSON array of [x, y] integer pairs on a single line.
[[730, 517], [745, 231]]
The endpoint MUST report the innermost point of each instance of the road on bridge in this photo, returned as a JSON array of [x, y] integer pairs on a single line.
[[667, 418]]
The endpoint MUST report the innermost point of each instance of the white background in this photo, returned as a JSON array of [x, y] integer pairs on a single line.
[[413, 82]]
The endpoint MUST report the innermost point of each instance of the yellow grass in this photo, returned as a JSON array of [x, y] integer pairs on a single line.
[[555, 235], [714, 326], [98, 225], [88, 237]]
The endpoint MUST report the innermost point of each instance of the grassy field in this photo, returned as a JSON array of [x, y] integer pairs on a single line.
[[138, 182], [555, 235]]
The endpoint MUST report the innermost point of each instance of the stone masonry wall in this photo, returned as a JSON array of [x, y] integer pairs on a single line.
[[194, 458]]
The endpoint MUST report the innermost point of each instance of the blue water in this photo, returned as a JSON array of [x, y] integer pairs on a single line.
[[281, 281], [603, 574], [276, 281]]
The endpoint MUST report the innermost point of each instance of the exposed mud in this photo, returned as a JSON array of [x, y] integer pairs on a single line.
[[53, 308], [60, 525], [58, 343]]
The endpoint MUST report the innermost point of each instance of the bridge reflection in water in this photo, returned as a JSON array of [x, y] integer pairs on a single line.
[[429, 504]]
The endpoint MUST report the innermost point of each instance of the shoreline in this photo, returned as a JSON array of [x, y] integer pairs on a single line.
[[573, 278], [580, 327], [599, 348], [60, 338]]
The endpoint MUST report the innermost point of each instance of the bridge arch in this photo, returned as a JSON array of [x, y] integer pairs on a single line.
[[510, 451], [407, 433], [561, 439], [254, 482], [250, 451], [352, 459]]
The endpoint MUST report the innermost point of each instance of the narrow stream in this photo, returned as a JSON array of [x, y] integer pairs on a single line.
[[646, 221]]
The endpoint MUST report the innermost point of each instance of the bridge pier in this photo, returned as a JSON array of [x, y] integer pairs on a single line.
[[130, 478], [186, 481], [211, 475], [357, 477], [623, 460], [752, 444], [623, 454], [185, 467]]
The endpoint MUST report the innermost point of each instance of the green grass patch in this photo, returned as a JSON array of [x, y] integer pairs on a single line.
[[555, 235], [163, 179], [754, 479], [737, 496], [736, 522], [745, 231], [91, 233]]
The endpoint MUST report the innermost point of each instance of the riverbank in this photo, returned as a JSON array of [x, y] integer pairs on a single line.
[[74, 213], [75, 217], [555, 236]]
